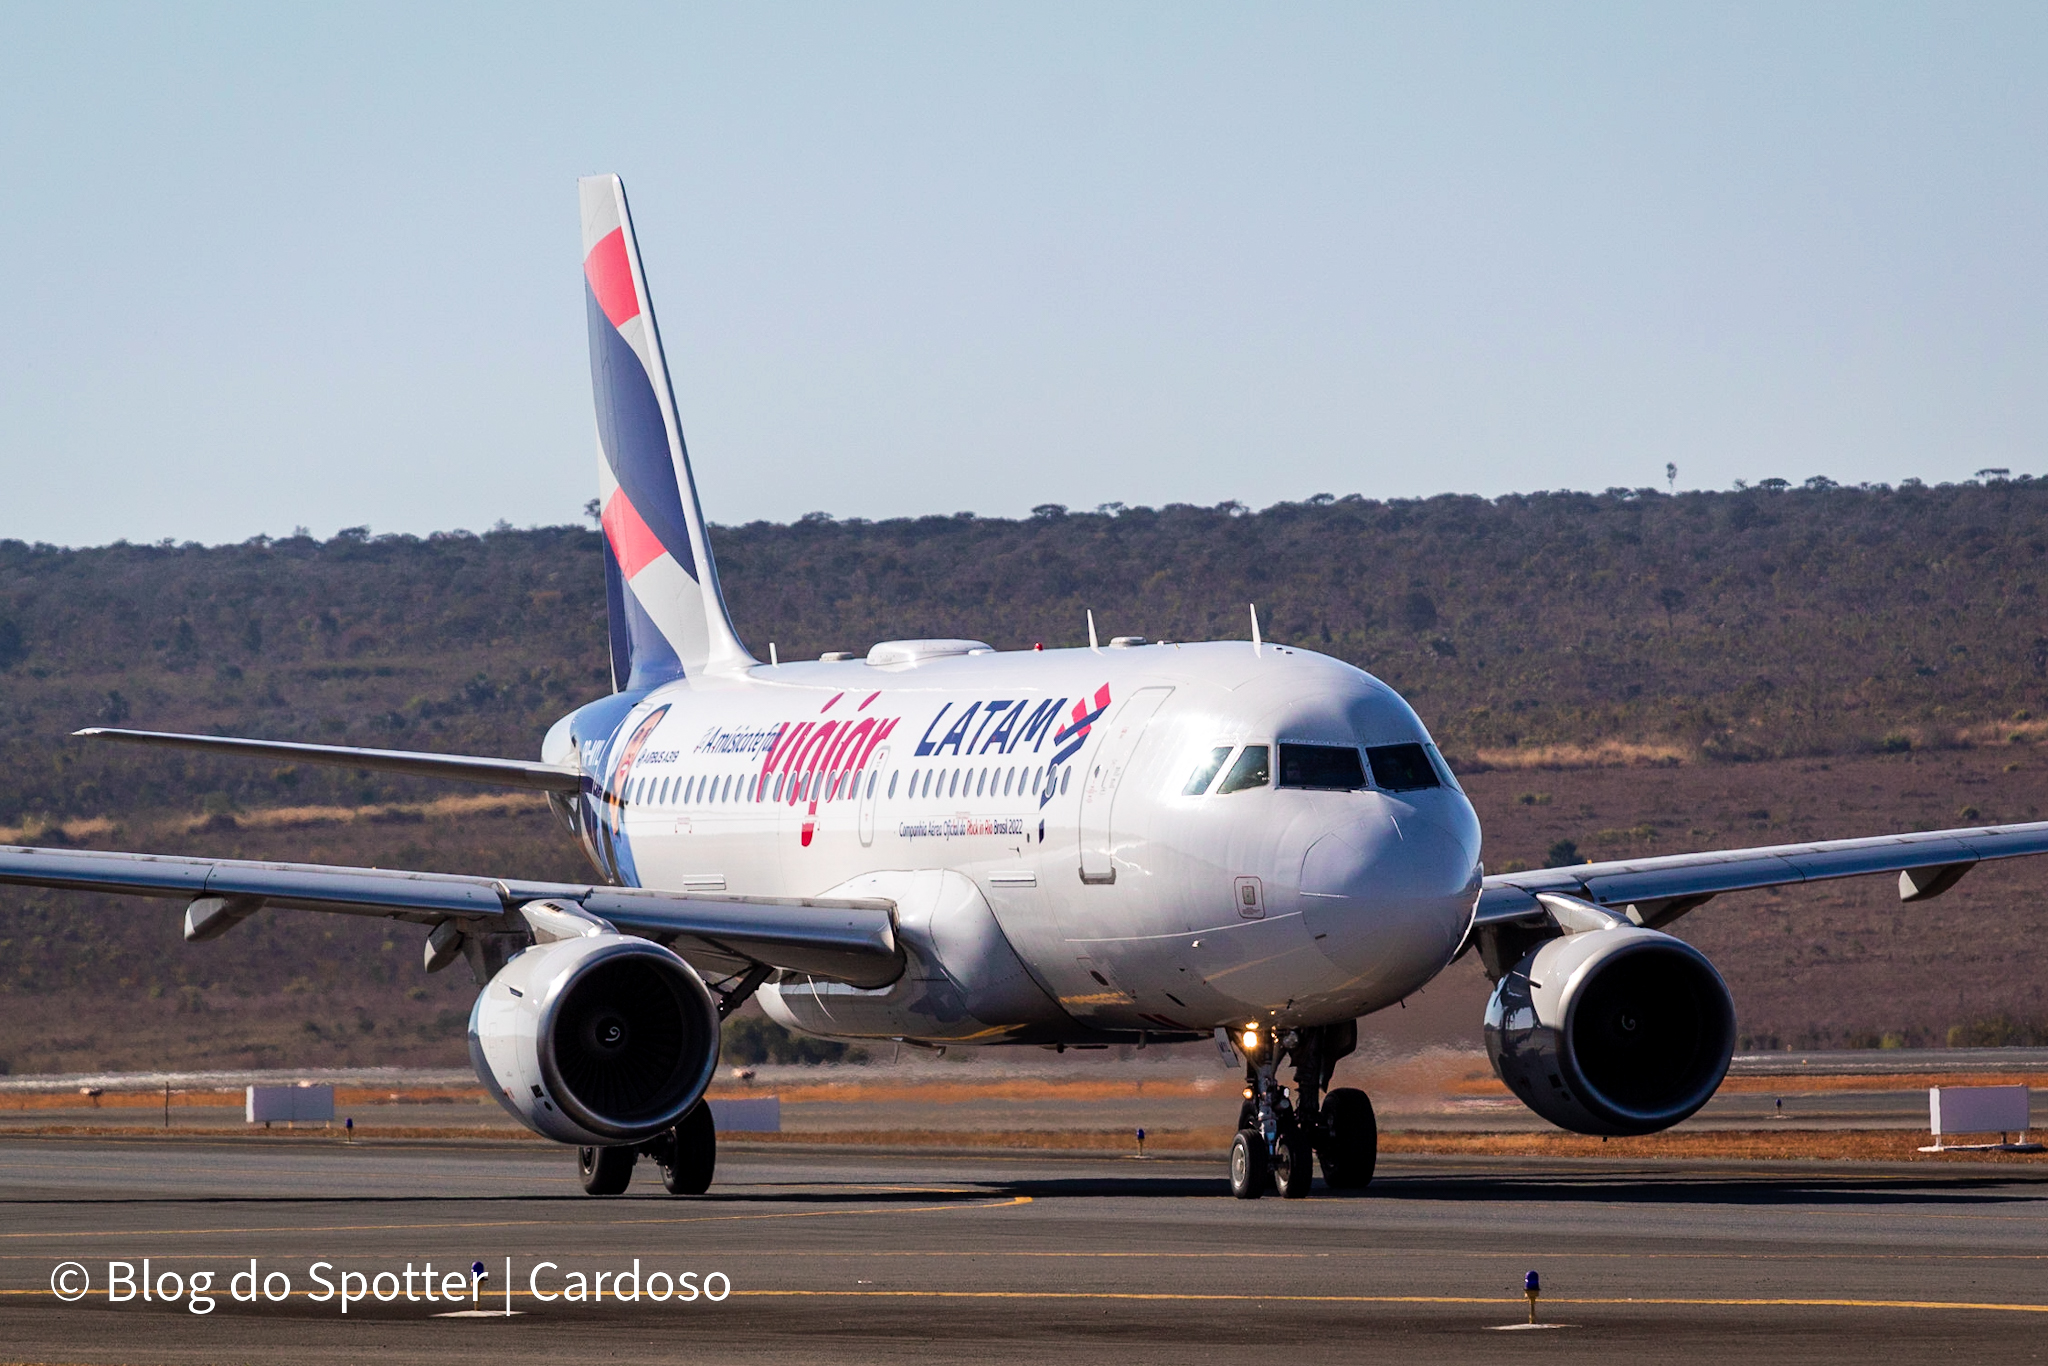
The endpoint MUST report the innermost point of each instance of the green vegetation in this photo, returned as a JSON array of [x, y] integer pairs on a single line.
[[1727, 626]]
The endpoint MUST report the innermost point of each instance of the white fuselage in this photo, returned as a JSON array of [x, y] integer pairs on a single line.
[[1057, 878]]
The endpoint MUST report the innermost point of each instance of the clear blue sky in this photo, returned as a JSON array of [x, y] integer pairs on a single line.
[[288, 264]]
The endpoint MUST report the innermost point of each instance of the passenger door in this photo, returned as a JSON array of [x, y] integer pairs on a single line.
[[1105, 780]]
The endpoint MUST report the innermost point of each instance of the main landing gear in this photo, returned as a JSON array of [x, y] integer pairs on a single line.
[[686, 1154], [1278, 1139]]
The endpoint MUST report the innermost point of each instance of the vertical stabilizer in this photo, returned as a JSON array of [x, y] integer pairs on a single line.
[[668, 615]]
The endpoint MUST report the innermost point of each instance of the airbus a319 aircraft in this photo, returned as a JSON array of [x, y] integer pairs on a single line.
[[948, 844]]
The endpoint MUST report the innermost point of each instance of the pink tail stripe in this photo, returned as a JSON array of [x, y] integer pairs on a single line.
[[611, 278], [632, 540]]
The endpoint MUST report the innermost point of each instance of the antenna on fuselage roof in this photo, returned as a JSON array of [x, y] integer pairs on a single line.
[[1258, 645], [1091, 630], [772, 660]]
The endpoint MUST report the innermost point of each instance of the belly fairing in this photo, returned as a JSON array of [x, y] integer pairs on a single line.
[[964, 982]]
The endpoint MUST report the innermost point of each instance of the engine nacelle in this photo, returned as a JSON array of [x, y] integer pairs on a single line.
[[600, 1040], [1614, 1031]]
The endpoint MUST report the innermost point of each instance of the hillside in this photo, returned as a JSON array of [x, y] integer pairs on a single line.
[[1616, 652]]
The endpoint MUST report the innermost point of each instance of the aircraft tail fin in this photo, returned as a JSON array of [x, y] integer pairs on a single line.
[[667, 612]]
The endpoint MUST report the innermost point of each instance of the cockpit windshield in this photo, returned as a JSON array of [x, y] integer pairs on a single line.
[[1331, 767], [1401, 768]]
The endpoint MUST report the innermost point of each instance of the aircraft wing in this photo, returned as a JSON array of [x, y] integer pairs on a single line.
[[1656, 891], [851, 941], [460, 767]]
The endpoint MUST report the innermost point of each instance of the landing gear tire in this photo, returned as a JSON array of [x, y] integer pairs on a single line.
[[691, 1154], [1350, 1140], [1294, 1166], [605, 1171], [1248, 1171]]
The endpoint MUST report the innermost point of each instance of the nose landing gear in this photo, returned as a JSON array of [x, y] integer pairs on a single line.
[[1279, 1138]]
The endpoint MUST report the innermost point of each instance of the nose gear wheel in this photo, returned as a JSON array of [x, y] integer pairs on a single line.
[[1248, 1174]]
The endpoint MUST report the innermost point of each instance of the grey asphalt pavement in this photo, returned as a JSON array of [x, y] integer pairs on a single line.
[[836, 1256]]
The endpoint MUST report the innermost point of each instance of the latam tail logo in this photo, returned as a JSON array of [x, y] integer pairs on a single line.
[[654, 577]]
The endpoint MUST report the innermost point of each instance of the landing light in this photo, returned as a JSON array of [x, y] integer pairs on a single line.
[[1251, 1037]]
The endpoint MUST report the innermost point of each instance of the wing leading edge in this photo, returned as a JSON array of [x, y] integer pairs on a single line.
[[1656, 891], [464, 768], [851, 941]]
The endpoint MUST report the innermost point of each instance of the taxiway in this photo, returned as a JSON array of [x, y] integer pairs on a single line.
[[875, 1256]]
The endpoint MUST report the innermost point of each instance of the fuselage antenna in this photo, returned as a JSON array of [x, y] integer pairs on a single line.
[[1258, 645], [772, 660], [1091, 630]]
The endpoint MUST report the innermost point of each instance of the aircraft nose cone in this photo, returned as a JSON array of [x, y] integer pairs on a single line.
[[1387, 899]]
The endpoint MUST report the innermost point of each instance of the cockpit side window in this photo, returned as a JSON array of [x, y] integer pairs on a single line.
[[1443, 769], [1205, 772], [1401, 768], [1253, 769], [1331, 767]]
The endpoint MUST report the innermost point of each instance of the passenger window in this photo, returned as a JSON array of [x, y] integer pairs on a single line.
[[1401, 768], [1205, 772], [1066, 781], [1330, 767], [892, 787], [1252, 769]]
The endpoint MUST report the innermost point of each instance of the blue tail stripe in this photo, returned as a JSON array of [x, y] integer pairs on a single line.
[[635, 439]]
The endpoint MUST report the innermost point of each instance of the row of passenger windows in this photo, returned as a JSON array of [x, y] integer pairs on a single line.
[[714, 789], [1395, 768], [1334, 768], [1017, 780]]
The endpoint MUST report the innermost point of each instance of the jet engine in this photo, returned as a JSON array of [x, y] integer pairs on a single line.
[[1612, 1031], [597, 1040]]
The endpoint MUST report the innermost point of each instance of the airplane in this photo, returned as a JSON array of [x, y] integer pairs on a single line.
[[947, 844]]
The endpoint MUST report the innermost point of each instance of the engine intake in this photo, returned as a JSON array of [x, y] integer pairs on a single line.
[[598, 1040], [1615, 1031]]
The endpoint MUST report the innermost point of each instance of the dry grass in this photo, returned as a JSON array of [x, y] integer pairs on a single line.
[[280, 818], [1753, 1145], [1757, 1145], [1903, 1081], [1603, 754], [2001, 732], [217, 1098], [31, 831], [304, 817], [957, 1092]]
